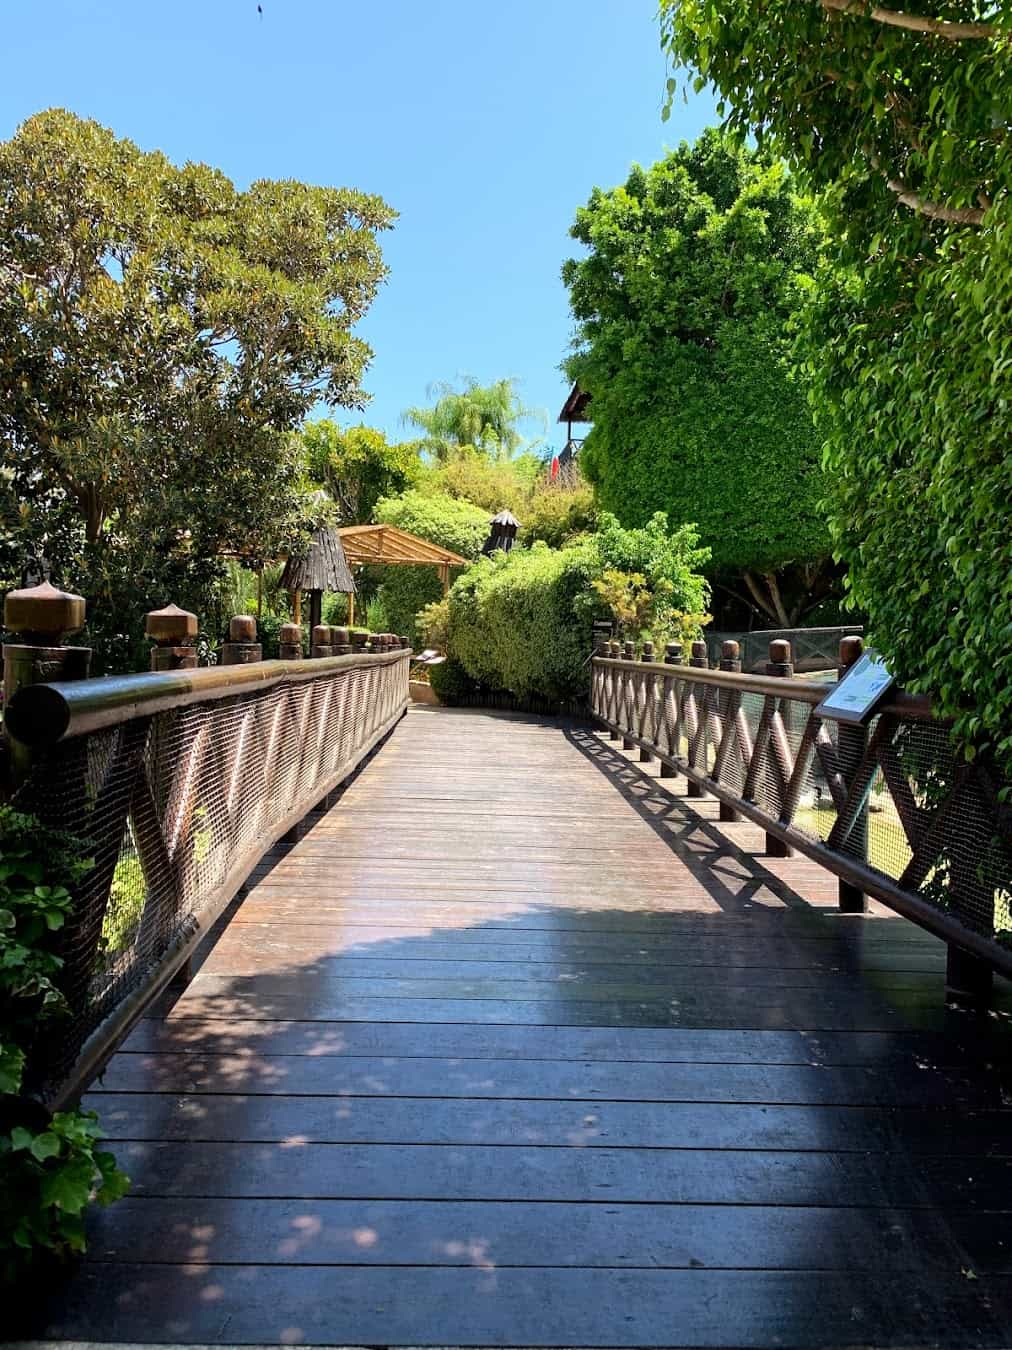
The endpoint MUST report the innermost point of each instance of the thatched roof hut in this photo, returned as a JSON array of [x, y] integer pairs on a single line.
[[322, 568]]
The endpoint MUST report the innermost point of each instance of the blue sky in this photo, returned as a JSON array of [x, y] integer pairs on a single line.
[[484, 124]]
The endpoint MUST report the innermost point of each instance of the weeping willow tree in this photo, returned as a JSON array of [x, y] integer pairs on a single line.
[[485, 416]]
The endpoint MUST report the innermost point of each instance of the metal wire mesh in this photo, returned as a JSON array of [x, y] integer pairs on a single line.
[[178, 807], [893, 795]]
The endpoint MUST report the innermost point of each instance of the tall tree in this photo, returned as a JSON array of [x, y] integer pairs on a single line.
[[694, 272], [903, 118], [161, 334], [485, 416], [358, 466]]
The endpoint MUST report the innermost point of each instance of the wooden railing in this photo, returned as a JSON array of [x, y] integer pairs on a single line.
[[892, 809], [179, 782]]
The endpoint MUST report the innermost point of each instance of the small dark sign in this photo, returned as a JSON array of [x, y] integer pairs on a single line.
[[859, 693]]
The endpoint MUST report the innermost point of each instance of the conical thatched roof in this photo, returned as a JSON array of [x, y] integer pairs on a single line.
[[323, 568]]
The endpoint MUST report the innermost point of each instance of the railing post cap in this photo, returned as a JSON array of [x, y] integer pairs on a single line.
[[405, 642], [780, 652], [851, 648], [647, 654], [171, 626], [730, 650], [339, 636], [242, 628], [290, 634], [698, 649], [320, 635], [44, 611]]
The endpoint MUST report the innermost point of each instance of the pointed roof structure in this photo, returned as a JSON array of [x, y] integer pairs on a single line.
[[323, 567]]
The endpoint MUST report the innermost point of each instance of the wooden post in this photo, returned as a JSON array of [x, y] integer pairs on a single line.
[[315, 608], [172, 630], [700, 661], [444, 577], [41, 616], [242, 648], [405, 642], [290, 642], [852, 742], [647, 654], [359, 638], [320, 641], [781, 665], [628, 654], [340, 640], [297, 608], [730, 660], [614, 652], [351, 609], [672, 657]]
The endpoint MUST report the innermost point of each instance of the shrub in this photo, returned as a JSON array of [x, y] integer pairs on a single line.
[[50, 1167], [443, 520], [432, 624], [555, 514], [522, 621], [450, 681], [470, 476]]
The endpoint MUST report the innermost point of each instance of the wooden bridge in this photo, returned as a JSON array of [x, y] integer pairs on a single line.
[[519, 1045]]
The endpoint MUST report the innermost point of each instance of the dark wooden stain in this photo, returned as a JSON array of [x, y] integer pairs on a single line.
[[520, 1047]]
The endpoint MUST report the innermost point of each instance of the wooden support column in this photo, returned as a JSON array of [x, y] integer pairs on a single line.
[[320, 639], [628, 687], [728, 702], [699, 659], [173, 631], [780, 664], [646, 655], [614, 652], [852, 742], [242, 648], [290, 642], [41, 617], [672, 657]]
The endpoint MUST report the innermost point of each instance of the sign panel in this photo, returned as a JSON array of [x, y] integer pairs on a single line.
[[860, 691]]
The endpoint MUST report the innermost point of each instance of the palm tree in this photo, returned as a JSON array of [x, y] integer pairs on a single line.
[[481, 415]]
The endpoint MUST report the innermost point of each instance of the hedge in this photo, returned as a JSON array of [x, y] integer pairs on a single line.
[[442, 520], [523, 621]]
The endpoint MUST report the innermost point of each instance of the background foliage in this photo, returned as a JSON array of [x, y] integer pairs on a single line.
[[193, 326], [906, 130], [443, 520], [695, 271], [522, 621]]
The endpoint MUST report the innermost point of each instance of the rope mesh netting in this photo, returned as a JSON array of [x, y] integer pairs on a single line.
[[177, 808], [893, 794]]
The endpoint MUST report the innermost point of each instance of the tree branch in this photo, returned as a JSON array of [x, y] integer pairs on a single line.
[[914, 23], [956, 215]]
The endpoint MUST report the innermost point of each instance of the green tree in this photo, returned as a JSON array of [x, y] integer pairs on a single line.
[[485, 416], [161, 335], [695, 271], [902, 119], [522, 621], [357, 466], [456, 525]]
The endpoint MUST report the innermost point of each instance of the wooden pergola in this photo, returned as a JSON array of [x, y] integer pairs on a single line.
[[390, 546]]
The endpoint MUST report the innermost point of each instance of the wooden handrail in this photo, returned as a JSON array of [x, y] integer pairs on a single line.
[[44, 714]]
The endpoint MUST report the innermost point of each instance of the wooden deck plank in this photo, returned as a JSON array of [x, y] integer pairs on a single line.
[[518, 1047]]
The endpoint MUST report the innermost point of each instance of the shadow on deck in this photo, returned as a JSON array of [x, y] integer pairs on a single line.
[[520, 1047]]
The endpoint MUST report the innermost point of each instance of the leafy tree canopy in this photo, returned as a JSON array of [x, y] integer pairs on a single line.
[[695, 270], [161, 334], [358, 466], [486, 417], [903, 117]]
